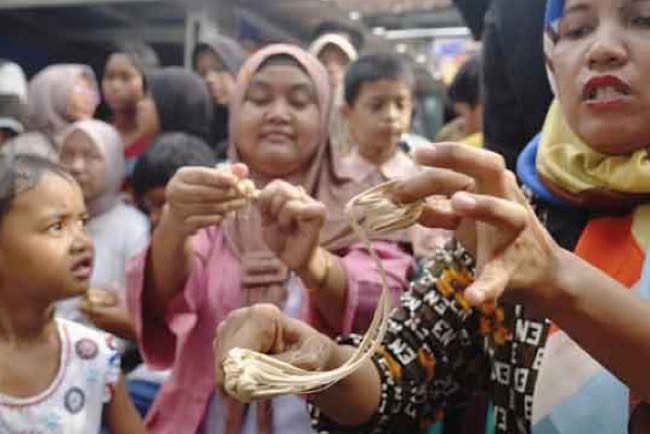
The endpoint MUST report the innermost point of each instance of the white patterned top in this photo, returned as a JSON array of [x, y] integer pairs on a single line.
[[73, 402]]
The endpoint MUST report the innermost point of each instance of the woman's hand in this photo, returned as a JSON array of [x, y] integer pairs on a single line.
[[265, 329], [491, 215], [198, 197], [291, 222]]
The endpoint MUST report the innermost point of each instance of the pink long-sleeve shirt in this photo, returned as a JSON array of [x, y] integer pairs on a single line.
[[184, 341]]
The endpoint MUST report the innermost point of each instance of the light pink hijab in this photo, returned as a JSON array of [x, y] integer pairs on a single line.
[[325, 178], [49, 96]]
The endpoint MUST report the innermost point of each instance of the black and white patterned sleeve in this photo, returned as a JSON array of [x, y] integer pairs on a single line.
[[432, 357]]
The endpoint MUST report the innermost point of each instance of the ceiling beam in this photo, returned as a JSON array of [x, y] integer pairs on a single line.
[[27, 4], [170, 34]]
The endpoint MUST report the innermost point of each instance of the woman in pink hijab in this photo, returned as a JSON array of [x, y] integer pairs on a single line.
[[60, 95], [292, 248]]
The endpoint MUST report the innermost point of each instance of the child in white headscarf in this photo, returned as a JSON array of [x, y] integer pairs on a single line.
[[92, 151]]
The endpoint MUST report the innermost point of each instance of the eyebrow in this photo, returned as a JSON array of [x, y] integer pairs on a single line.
[[576, 8]]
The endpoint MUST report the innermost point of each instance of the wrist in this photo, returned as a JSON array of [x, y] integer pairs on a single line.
[[557, 293], [315, 271], [171, 227]]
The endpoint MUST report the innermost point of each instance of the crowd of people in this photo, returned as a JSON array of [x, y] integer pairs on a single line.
[[132, 260]]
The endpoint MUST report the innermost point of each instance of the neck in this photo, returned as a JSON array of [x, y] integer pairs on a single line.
[[102, 204], [25, 322], [376, 156], [125, 120]]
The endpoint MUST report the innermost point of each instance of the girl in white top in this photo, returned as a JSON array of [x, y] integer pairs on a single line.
[[55, 376]]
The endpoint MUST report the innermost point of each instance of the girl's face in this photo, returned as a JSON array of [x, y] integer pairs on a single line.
[[123, 84], [601, 64], [335, 62], [85, 161], [83, 100], [220, 81], [45, 251], [279, 126]]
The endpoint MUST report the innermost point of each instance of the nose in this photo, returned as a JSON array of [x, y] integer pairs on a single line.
[[77, 165], [608, 50], [81, 242], [279, 111], [393, 113]]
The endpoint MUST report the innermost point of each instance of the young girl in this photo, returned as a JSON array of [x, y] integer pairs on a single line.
[[56, 376], [92, 152], [124, 84]]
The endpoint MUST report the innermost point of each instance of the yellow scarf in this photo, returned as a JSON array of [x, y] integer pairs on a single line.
[[568, 162], [564, 160]]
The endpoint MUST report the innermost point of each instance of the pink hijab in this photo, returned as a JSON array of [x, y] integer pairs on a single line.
[[325, 179], [49, 96]]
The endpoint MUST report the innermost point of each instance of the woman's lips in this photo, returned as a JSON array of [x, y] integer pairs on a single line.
[[606, 92]]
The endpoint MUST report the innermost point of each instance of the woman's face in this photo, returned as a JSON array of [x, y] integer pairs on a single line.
[[601, 63], [220, 81], [83, 100], [279, 126], [123, 84], [85, 161]]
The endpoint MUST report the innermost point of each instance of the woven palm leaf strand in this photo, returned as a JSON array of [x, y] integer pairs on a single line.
[[252, 376]]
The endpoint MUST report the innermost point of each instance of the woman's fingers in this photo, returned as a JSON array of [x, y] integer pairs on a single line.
[[431, 182], [438, 213], [207, 209], [501, 213], [296, 210], [208, 177], [490, 283], [273, 196], [191, 194], [484, 166]]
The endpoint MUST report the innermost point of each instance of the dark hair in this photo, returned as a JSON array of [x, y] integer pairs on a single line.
[[374, 67], [354, 34], [182, 101], [168, 153], [142, 55], [466, 86], [20, 173]]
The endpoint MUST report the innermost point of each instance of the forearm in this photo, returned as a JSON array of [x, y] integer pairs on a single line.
[[326, 280], [359, 391], [607, 319], [168, 266]]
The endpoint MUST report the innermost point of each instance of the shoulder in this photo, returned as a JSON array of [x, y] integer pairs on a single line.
[[89, 344]]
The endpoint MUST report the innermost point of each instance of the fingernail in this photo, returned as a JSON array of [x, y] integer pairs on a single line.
[[464, 200]]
